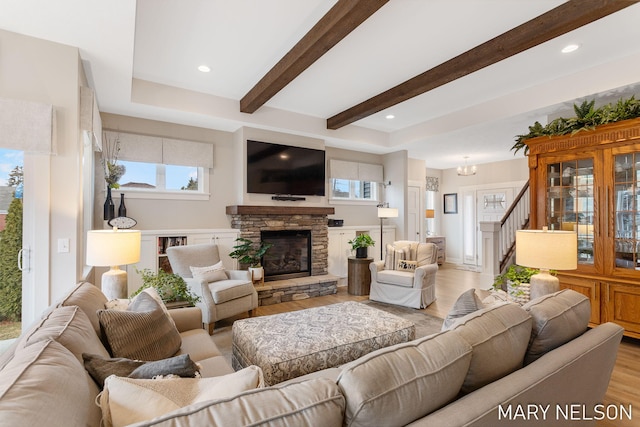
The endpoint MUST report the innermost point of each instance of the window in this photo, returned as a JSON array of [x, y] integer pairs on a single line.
[[152, 178], [352, 190]]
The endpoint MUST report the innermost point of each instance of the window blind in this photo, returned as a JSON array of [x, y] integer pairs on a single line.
[[342, 169], [27, 126]]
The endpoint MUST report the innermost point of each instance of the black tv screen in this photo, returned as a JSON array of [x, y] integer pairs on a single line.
[[284, 169]]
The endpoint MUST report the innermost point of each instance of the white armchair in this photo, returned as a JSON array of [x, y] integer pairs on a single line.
[[233, 293], [414, 286]]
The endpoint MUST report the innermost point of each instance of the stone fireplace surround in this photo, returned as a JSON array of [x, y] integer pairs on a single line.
[[250, 220]]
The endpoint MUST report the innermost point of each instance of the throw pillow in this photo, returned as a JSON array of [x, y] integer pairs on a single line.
[[406, 265], [100, 368], [466, 303], [212, 273], [126, 401], [390, 259], [141, 332], [557, 319], [117, 304]]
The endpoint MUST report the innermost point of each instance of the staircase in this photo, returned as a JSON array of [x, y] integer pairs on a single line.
[[499, 237]]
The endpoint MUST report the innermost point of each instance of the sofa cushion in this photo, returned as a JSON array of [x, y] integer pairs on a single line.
[[396, 277], [71, 327], [499, 336], [316, 402], [396, 385], [227, 290], [45, 385], [557, 319], [141, 332], [212, 273], [126, 400], [467, 302], [89, 298]]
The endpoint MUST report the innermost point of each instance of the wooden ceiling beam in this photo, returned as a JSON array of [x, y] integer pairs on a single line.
[[342, 18], [560, 20]]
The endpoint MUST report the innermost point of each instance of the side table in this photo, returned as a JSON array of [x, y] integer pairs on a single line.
[[359, 276], [441, 243]]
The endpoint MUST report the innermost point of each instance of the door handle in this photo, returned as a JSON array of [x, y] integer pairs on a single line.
[[23, 259]]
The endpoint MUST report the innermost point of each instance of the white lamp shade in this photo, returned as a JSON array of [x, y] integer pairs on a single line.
[[387, 213], [113, 247], [548, 250]]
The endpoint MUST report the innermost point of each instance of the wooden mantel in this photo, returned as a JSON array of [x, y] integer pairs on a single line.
[[278, 210]]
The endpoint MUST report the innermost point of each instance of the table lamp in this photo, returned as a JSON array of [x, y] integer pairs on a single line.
[[429, 214], [546, 250], [113, 248], [385, 212]]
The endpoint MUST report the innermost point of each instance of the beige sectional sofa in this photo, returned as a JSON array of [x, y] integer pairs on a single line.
[[470, 374]]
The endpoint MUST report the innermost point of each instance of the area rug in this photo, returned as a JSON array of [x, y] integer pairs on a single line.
[[425, 325]]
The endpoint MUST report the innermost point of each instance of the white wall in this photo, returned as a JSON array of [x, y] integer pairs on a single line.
[[451, 225], [396, 170]]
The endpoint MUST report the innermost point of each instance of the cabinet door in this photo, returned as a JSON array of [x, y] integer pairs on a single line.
[[621, 303], [590, 287], [623, 215], [339, 251], [148, 260], [571, 204]]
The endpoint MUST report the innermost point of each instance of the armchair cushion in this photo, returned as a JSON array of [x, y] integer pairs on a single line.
[[396, 277], [227, 290], [212, 273]]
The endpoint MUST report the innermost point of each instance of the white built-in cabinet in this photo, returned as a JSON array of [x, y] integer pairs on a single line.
[[155, 242], [340, 250]]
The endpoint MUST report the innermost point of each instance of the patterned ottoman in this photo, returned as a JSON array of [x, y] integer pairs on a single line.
[[289, 345]]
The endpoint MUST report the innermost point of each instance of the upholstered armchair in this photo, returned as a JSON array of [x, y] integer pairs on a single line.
[[407, 276], [223, 293]]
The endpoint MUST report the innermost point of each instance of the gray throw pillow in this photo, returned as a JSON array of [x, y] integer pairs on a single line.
[[142, 332], [100, 368], [466, 303]]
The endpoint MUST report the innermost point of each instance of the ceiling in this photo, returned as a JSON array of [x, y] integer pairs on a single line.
[[142, 58]]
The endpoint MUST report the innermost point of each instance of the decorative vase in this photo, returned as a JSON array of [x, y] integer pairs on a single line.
[[122, 210], [519, 293], [362, 252], [109, 208]]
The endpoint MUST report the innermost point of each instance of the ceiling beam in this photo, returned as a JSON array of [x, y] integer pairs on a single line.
[[335, 25], [564, 18]]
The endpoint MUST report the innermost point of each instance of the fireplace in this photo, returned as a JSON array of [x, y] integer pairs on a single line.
[[289, 255]]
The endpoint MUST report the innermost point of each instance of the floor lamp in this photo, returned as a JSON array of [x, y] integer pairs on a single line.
[[113, 248], [382, 214], [546, 250]]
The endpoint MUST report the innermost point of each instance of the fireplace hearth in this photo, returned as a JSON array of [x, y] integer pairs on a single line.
[[289, 256]]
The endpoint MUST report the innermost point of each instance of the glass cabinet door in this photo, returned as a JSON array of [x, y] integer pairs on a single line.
[[570, 202], [626, 201]]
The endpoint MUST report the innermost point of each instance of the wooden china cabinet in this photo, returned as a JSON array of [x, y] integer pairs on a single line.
[[590, 183]]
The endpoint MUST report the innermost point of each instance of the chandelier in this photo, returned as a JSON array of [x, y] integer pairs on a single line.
[[466, 170]]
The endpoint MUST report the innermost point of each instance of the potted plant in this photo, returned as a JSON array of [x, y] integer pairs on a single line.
[[515, 282], [170, 286], [250, 253], [360, 244]]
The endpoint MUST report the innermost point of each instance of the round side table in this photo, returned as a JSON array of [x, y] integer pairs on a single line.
[[359, 276]]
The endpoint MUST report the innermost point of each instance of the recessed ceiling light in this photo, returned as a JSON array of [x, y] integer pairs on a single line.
[[389, 116], [204, 68], [570, 48]]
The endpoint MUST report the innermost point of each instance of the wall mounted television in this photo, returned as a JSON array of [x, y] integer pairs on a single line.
[[284, 169]]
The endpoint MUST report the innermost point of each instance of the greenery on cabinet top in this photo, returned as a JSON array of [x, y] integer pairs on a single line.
[[587, 118]]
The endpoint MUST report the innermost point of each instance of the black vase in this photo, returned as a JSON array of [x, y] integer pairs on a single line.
[[109, 208], [362, 252], [122, 210]]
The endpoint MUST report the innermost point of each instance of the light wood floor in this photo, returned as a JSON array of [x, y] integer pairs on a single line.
[[623, 387]]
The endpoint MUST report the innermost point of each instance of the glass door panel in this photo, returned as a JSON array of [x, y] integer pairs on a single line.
[[571, 203], [626, 215]]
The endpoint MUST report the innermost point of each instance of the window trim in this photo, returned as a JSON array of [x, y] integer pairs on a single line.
[[350, 200], [163, 193]]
